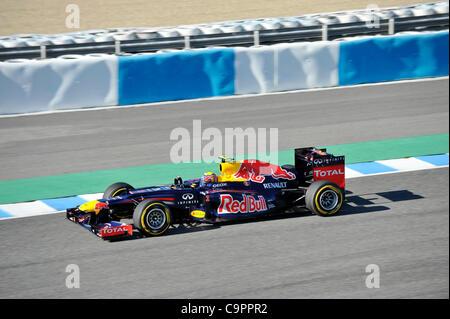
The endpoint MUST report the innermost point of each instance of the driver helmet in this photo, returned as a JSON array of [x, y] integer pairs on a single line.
[[208, 178]]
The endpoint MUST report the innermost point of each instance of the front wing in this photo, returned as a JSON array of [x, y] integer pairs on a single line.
[[108, 230]]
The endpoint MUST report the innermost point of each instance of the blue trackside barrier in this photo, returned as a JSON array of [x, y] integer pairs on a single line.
[[176, 75], [381, 59]]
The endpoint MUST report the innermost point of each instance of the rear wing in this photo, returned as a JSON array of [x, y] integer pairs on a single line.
[[321, 165]]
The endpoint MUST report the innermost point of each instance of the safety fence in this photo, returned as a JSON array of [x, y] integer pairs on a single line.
[[304, 28]]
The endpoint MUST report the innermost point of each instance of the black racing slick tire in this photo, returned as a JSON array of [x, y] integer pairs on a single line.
[[324, 198], [117, 189], [152, 218]]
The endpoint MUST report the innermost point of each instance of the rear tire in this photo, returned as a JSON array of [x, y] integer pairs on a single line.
[[117, 189], [324, 198], [152, 218]]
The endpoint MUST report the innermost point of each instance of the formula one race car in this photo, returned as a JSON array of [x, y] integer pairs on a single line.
[[244, 189]]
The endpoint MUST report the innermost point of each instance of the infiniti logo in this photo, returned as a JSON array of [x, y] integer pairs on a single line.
[[187, 199], [187, 196]]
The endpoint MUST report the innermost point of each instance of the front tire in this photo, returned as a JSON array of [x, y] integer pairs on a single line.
[[324, 198], [152, 218], [117, 189]]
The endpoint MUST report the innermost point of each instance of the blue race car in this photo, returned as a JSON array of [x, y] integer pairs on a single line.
[[243, 189]]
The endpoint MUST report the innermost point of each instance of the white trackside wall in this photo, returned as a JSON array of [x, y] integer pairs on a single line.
[[61, 83], [284, 67]]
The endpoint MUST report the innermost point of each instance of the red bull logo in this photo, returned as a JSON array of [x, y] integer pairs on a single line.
[[99, 206], [256, 171], [249, 204]]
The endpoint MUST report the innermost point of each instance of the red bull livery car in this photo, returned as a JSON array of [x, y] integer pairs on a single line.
[[242, 189]]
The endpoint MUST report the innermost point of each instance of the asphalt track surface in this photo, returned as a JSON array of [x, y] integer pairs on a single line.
[[399, 222], [61, 143]]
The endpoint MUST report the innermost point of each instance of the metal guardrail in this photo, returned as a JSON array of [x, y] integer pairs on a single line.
[[247, 38]]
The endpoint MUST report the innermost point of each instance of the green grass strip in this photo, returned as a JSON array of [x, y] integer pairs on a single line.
[[21, 190]]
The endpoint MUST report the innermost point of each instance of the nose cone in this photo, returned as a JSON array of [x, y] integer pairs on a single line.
[[88, 207]]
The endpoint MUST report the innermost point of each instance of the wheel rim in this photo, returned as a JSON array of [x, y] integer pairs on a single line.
[[156, 218], [329, 200]]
